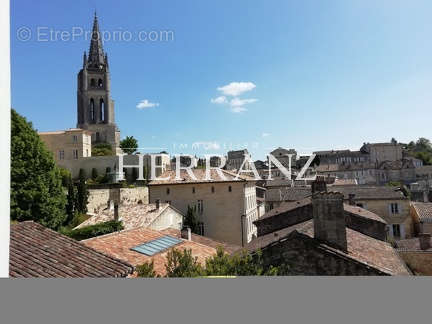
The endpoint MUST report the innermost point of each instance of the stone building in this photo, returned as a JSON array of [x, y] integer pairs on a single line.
[[380, 152], [226, 207], [235, 160], [281, 155], [71, 144], [95, 108], [324, 245], [389, 203]]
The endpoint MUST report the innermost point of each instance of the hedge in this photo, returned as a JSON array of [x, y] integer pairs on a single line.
[[95, 230]]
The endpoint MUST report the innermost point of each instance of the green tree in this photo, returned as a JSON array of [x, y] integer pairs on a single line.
[[182, 264], [36, 184], [191, 220], [71, 201], [129, 145], [65, 176], [102, 149], [82, 193], [146, 270], [94, 174]]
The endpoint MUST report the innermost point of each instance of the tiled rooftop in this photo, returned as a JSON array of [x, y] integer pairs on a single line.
[[361, 192], [119, 245], [424, 211], [289, 206], [362, 248], [132, 216], [200, 176], [36, 251]]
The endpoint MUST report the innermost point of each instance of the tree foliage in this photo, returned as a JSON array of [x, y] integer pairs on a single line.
[[191, 220], [36, 182], [82, 193], [422, 150], [129, 145], [183, 264], [94, 230], [146, 270], [102, 149]]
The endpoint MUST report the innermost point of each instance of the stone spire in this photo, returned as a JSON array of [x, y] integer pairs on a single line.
[[96, 54]]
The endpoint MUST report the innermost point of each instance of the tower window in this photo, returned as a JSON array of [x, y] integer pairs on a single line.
[[92, 110], [102, 110], [93, 82], [75, 154], [100, 83]]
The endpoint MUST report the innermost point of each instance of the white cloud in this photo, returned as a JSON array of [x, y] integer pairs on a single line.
[[236, 88], [219, 100], [237, 104], [143, 104], [265, 134]]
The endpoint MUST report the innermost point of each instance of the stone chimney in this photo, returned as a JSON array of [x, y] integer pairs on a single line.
[[424, 239], [186, 233], [157, 202], [319, 185], [351, 200], [329, 219], [116, 212]]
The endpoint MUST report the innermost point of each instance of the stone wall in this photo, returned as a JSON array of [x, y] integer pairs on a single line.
[[282, 220], [304, 257], [99, 198]]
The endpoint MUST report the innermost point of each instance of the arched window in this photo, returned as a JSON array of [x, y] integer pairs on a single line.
[[93, 83], [100, 83], [92, 110], [102, 110]]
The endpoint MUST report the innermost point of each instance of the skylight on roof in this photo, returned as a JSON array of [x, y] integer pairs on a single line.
[[156, 246]]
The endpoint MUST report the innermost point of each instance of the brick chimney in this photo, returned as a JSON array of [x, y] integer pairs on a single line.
[[351, 200], [424, 239], [319, 185], [329, 219]]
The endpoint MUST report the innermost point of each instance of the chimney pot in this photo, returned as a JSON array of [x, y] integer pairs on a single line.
[[319, 185], [186, 233], [157, 203], [424, 239]]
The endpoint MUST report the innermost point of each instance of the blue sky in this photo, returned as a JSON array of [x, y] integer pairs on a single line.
[[313, 74]]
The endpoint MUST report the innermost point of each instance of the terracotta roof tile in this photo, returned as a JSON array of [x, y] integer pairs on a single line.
[[36, 251], [200, 176], [119, 245], [424, 211]]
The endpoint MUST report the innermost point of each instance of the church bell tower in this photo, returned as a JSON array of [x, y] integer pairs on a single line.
[[95, 106]]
